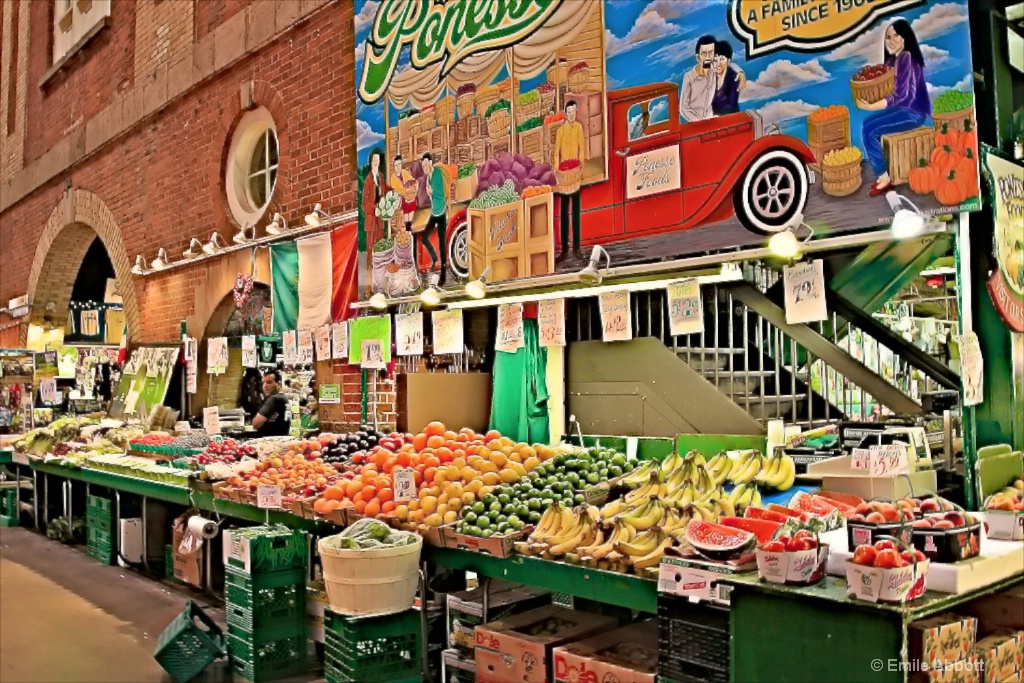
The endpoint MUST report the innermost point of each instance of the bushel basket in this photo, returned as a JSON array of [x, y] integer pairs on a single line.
[[876, 89], [569, 181], [372, 581]]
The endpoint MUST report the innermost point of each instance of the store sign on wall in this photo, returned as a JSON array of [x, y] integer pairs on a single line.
[[330, 394], [653, 172], [1005, 182]]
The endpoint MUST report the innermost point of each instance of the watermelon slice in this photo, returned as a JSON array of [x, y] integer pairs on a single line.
[[790, 512], [844, 508], [838, 496], [763, 529], [717, 541], [770, 515], [805, 502]]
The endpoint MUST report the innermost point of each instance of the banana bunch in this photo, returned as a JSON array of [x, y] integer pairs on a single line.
[[645, 516], [746, 468], [719, 467], [744, 496], [718, 502], [556, 520], [653, 487], [645, 550], [641, 475], [778, 472], [670, 464], [598, 551], [580, 529]]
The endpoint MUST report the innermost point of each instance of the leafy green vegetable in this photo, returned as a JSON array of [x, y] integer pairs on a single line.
[[952, 100], [496, 196], [530, 124], [529, 97], [498, 106], [369, 533], [467, 170]]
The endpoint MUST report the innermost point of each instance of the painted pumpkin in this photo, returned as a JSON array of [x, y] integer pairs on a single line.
[[968, 139], [923, 178], [967, 173], [949, 191], [944, 159], [947, 136]]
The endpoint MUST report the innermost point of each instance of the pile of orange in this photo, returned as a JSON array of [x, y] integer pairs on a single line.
[[292, 471], [823, 114]]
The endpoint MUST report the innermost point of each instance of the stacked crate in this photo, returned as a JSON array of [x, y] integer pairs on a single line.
[[99, 525], [8, 506], [384, 648], [265, 602]]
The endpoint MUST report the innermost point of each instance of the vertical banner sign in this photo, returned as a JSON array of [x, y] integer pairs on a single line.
[[805, 292], [211, 420], [372, 354], [249, 356], [448, 332], [191, 377], [322, 341], [339, 340], [409, 334], [1006, 188], [291, 347], [330, 394], [685, 313], [616, 316], [972, 373], [510, 328], [551, 322], [305, 346]]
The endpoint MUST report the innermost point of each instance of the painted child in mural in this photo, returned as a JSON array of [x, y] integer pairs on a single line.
[[907, 108], [438, 188], [570, 145], [373, 189]]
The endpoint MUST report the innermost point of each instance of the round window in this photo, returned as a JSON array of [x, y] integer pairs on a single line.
[[251, 173]]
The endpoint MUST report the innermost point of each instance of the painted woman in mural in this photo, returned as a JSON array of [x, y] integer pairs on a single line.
[[730, 80], [373, 189], [907, 108]]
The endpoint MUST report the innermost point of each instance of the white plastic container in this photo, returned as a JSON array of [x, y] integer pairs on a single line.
[[373, 581]]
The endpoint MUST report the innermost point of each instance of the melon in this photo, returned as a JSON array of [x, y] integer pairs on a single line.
[[771, 515], [790, 512], [763, 529], [819, 507], [717, 541], [838, 496]]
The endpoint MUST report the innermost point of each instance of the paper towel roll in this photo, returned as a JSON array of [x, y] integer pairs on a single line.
[[202, 527]]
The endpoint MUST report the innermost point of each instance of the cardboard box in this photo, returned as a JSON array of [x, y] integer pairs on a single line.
[[187, 567], [316, 602], [465, 609], [967, 670], [801, 568], [519, 648], [627, 654], [699, 579], [836, 475], [874, 584], [999, 611], [1002, 655], [942, 640], [498, 546], [1004, 525], [457, 667]]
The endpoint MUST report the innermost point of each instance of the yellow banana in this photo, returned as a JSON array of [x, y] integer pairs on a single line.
[[646, 516], [621, 533], [671, 463], [613, 508], [640, 476], [785, 474], [584, 536], [652, 558], [569, 527], [549, 523], [644, 544]]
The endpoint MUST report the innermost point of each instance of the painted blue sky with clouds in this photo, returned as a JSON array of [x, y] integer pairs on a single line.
[[654, 40]]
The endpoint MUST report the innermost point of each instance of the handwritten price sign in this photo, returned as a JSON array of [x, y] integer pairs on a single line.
[[291, 349], [409, 334], [405, 483], [805, 292], [305, 346], [551, 322], [322, 339], [860, 459], [448, 334], [249, 356], [268, 497], [616, 316], [339, 340], [890, 460], [684, 307], [510, 328]]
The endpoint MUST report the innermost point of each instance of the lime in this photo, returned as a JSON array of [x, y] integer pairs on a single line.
[[479, 508], [522, 510], [484, 522], [534, 517], [500, 519], [514, 519], [619, 460], [614, 471], [579, 499], [503, 527], [486, 533], [473, 531], [573, 479], [535, 504], [504, 498], [470, 517], [489, 499], [494, 507], [593, 478]]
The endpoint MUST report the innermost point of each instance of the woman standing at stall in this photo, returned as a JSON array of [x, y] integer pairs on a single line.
[[907, 108]]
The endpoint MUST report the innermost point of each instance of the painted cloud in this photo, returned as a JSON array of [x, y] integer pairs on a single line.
[[868, 47], [365, 17], [776, 112], [966, 84], [783, 75], [649, 26], [366, 135]]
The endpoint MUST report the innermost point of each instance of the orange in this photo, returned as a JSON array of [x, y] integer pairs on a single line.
[[432, 461], [318, 505], [403, 460], [449, 435], [334, 493], [359, 506], [444, 454], [353, 487], [389, 464], [435, 442], [419, 442], [331, 506], [498, 458], [388, 507], [369, 491], [429, 474], [435, 429], [385, 495], [372, 508], [492, 435]]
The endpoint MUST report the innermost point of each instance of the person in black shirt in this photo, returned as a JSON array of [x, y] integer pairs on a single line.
[[272, 419]]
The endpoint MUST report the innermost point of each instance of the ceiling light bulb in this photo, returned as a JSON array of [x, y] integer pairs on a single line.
[[277, 226], [378, 301], [213, 246], [140, 265], [477, 288], [784, 244], [430, 296], [313, 219], [905, 224], [590, 274], [241, 237], [161, 261], [195, 247]]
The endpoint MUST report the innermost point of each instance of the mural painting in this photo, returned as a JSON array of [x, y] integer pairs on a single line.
[[506, 139]]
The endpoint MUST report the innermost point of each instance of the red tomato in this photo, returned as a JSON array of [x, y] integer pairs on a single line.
[[885, 544], [776, 546]]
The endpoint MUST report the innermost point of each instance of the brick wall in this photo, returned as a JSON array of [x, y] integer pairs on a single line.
[[212, 13], [163, 34]]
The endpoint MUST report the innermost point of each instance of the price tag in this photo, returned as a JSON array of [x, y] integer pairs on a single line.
[[322, 341], [685, 311], [448, 332], [191, 378], [971, 368], [339, 340], [551, 322], [330, 394], [19, 458], [249, 357], [268, 496], [510, 328], [860, 459], [405, 483], [305, 346], [189, 344], [211, 420], [805, 292], [616, 316], [409, 334], [48, 390], [889, 460], [291, 349], [373, 354]]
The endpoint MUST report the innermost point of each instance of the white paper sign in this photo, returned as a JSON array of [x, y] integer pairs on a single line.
[[616, 316], [448, 332], [510, 328], [211, 420], [971, 369], [805, 292], [889, 460], [305, 346], [685, 312], [189, 344], [322, 341], [291, 348], [268, 496], [409, 334], [860, 459], [551, 322], [339, 340], [191, 378], [249, 357], [48, 390], [216, 353], [405, 483], [373, 354]]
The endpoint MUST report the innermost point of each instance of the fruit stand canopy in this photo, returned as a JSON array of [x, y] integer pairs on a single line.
[[528, 59]]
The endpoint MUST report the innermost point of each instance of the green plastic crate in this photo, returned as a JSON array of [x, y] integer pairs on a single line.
[[268, 548], [97, 537], [267, 661], [189, 644], [98, 521], [103, 506], [235, 580], [169, 561], [9, 502], [385, 648], [265, 608], [8, 522], [103, 555]]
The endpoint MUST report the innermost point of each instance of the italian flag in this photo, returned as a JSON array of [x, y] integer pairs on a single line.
[[314, 280], [122, 349]]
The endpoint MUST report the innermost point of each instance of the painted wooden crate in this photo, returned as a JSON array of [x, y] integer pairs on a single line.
[[539, 221], [904, 150], [531, 143], [497, 239]]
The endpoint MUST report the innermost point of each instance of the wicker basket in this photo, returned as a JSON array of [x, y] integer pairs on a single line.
[[498, 124], [876, 89], [547, 100], [840, 181], [415, 128], [445, 111], [485, 97], [579, 79], [525, 112], [428, 118], [569, 181], [464, 104], [955, 119]]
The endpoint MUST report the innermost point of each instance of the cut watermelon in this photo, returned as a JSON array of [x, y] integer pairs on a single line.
[[790, 512], [717, 541], [770, 515], [848, 498], [844, 508], [805, 502], [763, 529]]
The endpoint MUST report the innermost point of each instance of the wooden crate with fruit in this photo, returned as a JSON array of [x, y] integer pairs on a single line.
[[539, 210], [478, 151], [828, 128], [531, 142], [497, 239], [905, 150], [421, 144]]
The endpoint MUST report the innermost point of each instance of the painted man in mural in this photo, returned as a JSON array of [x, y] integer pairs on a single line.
[[437, 188], [700, 83], [570, 145]]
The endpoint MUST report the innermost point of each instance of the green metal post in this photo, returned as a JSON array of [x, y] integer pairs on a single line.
[[364, 383], [965, 323], [183, 329]]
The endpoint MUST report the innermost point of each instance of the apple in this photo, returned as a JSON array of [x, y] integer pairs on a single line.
[[865, 555], [887, 559]]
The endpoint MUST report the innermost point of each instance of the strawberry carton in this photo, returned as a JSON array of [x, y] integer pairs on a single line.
[[942, 640], [798, 559], [947, 536], [882, 572], [871, 521], [1002, 656]]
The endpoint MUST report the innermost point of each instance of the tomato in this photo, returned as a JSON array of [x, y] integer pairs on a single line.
[[910, 556], [776, 546], [797, 544], [888, 559], [865, 555]]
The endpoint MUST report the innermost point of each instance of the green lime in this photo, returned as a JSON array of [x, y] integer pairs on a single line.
[[473, 531], [479, 508], [494, 507], [579, 499], [614, 471], [504, 498], [486, 533], [489, 499], [470, 517], [515, 523], [483, 522], [503, 527], [522, 510], [573, 479], [593, 478], [534, 517], [619, 460], [535, 504]]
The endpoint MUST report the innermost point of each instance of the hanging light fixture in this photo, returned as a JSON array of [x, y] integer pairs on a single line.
[[786, 244], [161, 261], [905, 223], [431, 296], [278, 225], [379, 301], [477, 288], [242, 238], [313, 219], [195, 248], [590, 274], [214, 245], [140, 265]]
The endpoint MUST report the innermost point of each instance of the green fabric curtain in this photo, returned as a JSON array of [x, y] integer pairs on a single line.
[[519, 406], [284, 288]]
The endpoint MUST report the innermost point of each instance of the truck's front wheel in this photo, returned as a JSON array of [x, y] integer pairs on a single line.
[[458, 247], [772, 192]]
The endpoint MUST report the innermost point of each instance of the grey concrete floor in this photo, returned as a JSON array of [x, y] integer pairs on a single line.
[[65, 618]]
